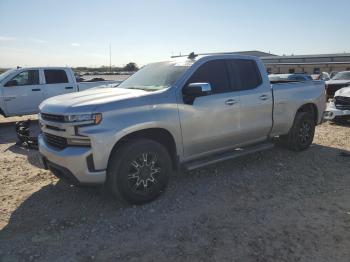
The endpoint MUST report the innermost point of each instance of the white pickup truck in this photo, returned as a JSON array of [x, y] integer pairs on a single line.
[[23, 89]]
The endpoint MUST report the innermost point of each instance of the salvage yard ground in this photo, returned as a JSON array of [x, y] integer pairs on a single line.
[[271, 206]]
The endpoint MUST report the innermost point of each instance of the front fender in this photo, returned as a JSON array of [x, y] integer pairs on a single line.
[[102, 143]]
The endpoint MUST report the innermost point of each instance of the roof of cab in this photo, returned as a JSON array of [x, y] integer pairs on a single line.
[[42, 67]]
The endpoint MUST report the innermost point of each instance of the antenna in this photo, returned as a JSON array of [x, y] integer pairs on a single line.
[[110, 58], [192, 55]]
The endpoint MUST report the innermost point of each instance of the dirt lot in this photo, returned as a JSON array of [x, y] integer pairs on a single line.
[[271, 206]]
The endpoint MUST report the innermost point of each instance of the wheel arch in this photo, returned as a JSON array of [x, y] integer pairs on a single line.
[[309, 107], [160, 135], [2, 112]]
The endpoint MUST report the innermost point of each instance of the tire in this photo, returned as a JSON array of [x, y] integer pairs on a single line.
[[301, 134], [340, 121], [139, 171]]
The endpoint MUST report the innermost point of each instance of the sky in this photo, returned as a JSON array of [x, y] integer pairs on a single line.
[[79, 33]]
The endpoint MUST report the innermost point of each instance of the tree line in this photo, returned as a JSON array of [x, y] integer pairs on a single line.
[[130, 67]]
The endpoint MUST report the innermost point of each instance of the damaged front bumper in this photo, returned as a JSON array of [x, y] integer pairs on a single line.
[[332, 112]]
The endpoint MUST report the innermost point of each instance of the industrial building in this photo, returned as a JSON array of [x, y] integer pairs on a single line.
[[310, 64]]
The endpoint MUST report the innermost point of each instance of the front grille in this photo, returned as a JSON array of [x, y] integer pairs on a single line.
[[53, 118], [342, 102], [332, 88], [55, 141]]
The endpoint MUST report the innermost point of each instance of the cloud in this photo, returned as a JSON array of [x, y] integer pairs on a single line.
[[75, 44], [30, 39], [7, 38], [38, 41]]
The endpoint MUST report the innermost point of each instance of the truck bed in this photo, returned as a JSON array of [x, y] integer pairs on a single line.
[[290, 96]]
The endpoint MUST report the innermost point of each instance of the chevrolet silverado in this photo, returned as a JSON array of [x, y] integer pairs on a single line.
[[185, 113]]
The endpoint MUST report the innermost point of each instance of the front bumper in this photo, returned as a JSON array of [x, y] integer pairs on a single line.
[[332, 112], [71, 163]]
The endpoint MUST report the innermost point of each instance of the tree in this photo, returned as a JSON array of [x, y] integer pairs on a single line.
[[131, 67]]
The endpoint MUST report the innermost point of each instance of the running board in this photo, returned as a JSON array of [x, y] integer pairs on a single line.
[[238, 152]]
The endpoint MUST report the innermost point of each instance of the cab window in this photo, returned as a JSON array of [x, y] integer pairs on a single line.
[[212, 72], [247, 72], [55, 76], [29, 77]]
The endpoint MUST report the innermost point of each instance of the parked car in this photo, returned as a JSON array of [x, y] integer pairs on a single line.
[[338, 109], [183, 113], [340, 80], [23, 89], [323, 76], [332, 74], [290, 77]]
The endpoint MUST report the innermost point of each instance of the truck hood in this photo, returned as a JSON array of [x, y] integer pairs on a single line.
[[343, 92], [337, 82], [87, 101]]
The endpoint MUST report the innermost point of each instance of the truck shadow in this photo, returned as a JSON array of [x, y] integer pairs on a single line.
[[31, 154], [343, 123], [8, 131], [55, 209], [8, 136]]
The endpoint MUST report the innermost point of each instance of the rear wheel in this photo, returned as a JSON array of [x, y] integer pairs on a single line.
[[302, 133], [138, 172], [341, 120]]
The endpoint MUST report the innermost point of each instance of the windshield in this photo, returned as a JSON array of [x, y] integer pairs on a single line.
[[5, 74], [342, 76], [155, 76]]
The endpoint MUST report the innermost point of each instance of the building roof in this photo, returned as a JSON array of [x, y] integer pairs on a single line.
[[250, 53], [307, 56]]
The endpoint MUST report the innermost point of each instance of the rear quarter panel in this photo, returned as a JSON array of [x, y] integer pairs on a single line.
[[289, 97]]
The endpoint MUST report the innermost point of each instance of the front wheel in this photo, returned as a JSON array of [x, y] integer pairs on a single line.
[[302, 133], [139, 171]]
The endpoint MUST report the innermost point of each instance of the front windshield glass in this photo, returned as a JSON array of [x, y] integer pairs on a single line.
[[342, 76], [155, 76], [5, 74]]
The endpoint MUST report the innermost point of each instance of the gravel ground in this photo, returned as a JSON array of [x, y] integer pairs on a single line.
[[271, 206]]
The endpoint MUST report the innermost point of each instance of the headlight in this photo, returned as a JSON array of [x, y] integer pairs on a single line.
[[89, 118]]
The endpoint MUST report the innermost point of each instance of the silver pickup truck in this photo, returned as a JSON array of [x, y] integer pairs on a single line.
[[183, 113]]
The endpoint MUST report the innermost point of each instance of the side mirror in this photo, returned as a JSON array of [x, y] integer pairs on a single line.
[[11, 83], [196, 89]]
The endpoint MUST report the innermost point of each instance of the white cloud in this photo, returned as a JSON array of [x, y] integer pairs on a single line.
[[75, 44], [30, 39], [7, 38], [38, 41]]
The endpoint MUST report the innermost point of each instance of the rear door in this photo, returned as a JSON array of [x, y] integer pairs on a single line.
[[211, 122], [23, 93], [255, 98], [58, 82]]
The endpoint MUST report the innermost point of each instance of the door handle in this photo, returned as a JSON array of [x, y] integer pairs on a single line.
[[230, 102], [36, 89], [69, 87], [263, 97]]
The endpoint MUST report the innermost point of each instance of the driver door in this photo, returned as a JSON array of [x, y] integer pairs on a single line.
[[211, 123], [23, 93]]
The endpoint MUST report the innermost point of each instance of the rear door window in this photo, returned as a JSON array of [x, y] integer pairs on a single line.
[[247, 73], [55, 76], [215, 73]]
